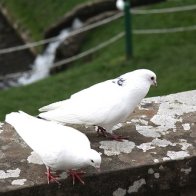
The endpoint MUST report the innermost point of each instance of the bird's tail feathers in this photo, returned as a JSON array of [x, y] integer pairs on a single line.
[[54, 106], [43, 109], [15, 118], [11, 118]]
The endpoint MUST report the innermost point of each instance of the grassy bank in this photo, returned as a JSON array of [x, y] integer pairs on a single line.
[[36, 16]]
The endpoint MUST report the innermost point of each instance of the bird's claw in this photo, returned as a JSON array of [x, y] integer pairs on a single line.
[[50, 177], [76, 175]]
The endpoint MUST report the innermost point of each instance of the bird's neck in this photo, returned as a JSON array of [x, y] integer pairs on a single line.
[[136, 91], [83, 159]]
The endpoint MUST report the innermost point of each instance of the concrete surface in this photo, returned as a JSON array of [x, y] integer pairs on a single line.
[[158, 159]]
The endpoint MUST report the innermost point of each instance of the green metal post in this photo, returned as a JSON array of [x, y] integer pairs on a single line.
[[128, 30]]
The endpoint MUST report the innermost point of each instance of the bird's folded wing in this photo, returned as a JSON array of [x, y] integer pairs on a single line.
[[86, 111], [87, 93], [43, 136]]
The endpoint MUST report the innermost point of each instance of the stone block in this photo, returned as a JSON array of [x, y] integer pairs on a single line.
[[158, 159]]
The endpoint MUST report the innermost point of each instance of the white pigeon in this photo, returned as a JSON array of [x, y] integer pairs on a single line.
[[104, 104], [60, 147]]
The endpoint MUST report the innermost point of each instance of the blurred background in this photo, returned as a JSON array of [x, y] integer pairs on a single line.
[[52, 49]]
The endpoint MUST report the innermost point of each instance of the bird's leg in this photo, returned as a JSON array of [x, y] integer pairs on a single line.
[[112, 136], [50, 177], [76, 175], [101, 131]]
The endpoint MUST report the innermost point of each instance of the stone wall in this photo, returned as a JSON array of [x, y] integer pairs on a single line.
[[158, 159], [16, 61]]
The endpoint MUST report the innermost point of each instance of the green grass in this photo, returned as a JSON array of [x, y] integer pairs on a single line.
[[171, 56], [36, 16]]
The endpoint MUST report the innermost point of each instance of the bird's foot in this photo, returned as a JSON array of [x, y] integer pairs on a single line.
[[50, 177], [115, 137], [101, 131], [76, 175]]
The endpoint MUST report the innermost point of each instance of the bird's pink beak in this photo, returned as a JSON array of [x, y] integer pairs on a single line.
[[155, 83], [98, 169]]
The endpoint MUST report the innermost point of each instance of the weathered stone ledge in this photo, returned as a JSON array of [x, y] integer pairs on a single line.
[[159, 158]]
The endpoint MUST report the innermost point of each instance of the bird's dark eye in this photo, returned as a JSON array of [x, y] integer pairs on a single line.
[[152, 78], [92, 161]]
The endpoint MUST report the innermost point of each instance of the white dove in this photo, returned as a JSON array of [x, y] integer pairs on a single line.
[[60, 147], [104, 104]]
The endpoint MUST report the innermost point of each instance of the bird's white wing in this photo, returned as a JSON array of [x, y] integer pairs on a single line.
[[92, 109], [88, 92], [93, 90], [46, 137]]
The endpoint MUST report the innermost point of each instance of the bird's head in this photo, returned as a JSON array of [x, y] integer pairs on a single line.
[[140, 75], [149, 76], [94, 159]]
